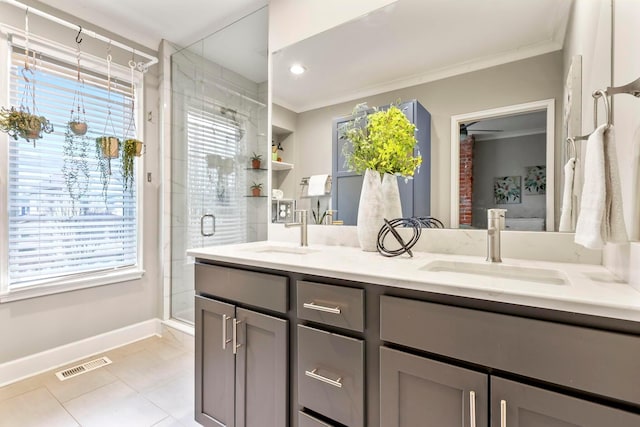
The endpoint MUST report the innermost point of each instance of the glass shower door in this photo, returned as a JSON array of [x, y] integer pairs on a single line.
[[218, 121]]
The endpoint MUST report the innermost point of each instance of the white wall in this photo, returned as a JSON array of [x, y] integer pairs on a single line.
[[37, 324], [626, 119]]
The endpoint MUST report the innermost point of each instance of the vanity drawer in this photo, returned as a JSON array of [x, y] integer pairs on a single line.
[[257, 289], [332, 305], [600, 362], [306, 420], [331, 375]]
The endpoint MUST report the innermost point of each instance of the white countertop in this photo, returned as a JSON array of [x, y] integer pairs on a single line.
[[591, 289]]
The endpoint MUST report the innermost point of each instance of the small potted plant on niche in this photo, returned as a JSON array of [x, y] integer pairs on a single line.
[[256, 189], [256, 160], [19, 123], [383, 146], [131, 148]]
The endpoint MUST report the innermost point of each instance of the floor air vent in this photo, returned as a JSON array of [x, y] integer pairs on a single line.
[[81, 369]]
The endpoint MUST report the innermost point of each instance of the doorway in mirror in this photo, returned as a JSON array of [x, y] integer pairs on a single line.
[[503, 158]]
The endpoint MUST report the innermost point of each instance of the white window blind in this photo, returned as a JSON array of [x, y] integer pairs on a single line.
[[217, 183], [51, 235]]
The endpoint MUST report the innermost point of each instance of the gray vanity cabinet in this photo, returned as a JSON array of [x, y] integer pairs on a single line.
[[241, 360], [245, 385], [514, 404], [215, 365], [415, 194], [568, 356], [416, 391]]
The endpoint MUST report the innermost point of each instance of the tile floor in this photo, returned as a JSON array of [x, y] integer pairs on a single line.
[[149, 383]]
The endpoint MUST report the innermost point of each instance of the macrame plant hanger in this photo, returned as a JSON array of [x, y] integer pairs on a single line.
[[24, 121], [75, 168], [107, 145], [131, 147], [78, 119]]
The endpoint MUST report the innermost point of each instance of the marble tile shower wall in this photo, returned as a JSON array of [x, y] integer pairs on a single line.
[[198, 85]]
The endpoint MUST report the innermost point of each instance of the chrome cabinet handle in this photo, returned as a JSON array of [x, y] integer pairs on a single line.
[[236, 346], [202, 225], [503, 413], [313, 374], [472, 409], [225, 341], [314, 306]]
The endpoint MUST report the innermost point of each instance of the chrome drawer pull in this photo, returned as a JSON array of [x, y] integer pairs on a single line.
[[503, 413], [315, 376], [472, 409], [225, 341], [314, 306], [235, 346]]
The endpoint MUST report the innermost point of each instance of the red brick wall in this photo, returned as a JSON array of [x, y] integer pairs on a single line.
[[466, 179]]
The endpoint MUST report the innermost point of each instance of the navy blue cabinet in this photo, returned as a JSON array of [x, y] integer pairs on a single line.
[[415, 194]]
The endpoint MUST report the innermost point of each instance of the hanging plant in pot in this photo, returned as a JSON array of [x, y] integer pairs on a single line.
[[131, 148], [20, 123], [107, 148], [77, 123], [75, 168], [24, 122], [381, 145]]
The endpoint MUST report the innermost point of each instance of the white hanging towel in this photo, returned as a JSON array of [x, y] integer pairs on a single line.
[[615, 230], [566, 216], [317, 185], [601, 216], [577, 192], [589, 225]]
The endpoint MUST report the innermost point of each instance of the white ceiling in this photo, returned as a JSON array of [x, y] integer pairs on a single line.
[[412, 42], [148, 21], [509, 126]]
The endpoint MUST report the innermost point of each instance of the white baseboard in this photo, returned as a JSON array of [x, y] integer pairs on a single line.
[[34, 364], [180, 326]]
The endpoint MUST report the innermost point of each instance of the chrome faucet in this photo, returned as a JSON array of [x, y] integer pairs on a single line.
[[302, 223], [495, 223]]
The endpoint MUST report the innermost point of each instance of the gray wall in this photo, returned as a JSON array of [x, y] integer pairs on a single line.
[[517, 82], [506, 157], [34, 325]]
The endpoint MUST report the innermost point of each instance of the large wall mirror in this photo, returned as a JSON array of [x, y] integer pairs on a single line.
[[497, 55]]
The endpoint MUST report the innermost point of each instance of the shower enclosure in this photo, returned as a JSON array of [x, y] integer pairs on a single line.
[[218, 122]]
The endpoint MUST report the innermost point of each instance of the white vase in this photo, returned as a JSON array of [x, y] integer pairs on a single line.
[[391, 197], [370, 211]]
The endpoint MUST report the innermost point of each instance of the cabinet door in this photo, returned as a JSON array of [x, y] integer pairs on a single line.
[[214, 370], [518, 405], [420, 392], [261, 370]]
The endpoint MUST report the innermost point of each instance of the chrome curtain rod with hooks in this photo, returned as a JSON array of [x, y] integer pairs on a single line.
[[151, 59]]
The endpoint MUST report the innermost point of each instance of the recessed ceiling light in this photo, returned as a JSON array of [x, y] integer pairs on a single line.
[[297, 69]]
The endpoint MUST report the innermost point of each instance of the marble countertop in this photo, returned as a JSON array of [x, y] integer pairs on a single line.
[[589, 289]]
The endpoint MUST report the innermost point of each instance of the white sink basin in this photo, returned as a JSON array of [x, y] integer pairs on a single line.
[[512, 272], [298, 250]]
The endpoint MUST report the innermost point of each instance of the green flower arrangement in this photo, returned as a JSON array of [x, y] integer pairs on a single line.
[[385, 144]]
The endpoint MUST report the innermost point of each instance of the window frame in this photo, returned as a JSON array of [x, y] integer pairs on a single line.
[[14, 37]]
